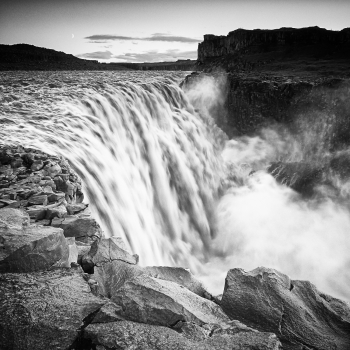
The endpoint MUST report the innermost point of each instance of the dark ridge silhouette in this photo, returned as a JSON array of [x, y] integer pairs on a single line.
[[30, 57]]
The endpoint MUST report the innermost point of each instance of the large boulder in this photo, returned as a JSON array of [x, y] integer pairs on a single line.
[[29, 248], [44, 310], [106, 250], [125, 335], [155, 301], [295, 311], [84, 229]]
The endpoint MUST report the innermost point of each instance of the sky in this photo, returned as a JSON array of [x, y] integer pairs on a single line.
[[153, 30]]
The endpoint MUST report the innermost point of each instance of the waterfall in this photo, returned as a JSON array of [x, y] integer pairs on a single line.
[[150, 166], [158, 173]]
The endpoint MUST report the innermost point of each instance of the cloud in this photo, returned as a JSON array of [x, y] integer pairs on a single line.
[[153, 37], [155, 56], [97, 55]]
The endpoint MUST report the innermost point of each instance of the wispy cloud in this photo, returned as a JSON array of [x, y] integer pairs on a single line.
[[155, 56], [99, 55], [153, 37]]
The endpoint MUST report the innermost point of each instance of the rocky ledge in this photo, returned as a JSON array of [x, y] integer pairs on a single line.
[[65, 286]]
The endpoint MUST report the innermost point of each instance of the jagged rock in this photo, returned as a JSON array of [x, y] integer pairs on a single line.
[[73, 251], [32, 248], [295, 311], [37, 165], [105, 250], [301, 177], [111, 276], [125, 335], [76, 208], [37, 212], [83, 229], [44, 310], [13, 218], [38, 200], [180, 276], [56, 212], [155, 301], [55, 196], [53, 170], [109, 312]]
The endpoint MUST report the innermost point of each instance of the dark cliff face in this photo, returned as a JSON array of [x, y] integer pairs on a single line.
[[251, 49], [285, 76]]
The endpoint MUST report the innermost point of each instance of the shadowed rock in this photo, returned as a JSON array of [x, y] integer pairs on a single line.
[[295, 311], [29, 248], [125, 335], [44, 310]]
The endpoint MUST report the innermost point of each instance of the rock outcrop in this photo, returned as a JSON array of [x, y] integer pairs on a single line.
[[131, 335], [295, 311], [44, 310], [251, 49]]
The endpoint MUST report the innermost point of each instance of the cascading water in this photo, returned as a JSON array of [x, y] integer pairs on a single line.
[[150, 166], [160, 174]]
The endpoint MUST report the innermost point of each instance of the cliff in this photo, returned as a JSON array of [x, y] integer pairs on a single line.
[[287, 76], [310, 48]]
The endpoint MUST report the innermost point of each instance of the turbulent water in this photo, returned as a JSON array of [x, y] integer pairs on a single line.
[[160, 174]]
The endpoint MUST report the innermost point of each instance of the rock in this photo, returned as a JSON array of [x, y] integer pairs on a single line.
[[104, 251], [295, 311], [53, 170], [32, 248], [124, 335], [180, 276], [13, 218], [10, 203], [83, 229], [111, 276], [37, 165], [55, 196], [38, 200], [16, 163], [44, 310], [76, 208], [37, 212], [109, 312], [155, 301], [59, 212]]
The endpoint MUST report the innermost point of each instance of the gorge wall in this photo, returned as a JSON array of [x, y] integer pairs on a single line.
[[279, 76]]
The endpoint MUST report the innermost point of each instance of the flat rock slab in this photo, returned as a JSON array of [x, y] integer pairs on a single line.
[[155, 301], [295, 311], [44, 310], [126, 335]]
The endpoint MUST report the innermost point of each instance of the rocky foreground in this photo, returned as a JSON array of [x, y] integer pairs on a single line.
[[64, 286]]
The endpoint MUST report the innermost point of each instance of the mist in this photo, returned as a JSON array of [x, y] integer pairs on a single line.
[[261, 221]]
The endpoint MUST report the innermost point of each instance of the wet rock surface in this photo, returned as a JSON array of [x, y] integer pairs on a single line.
[[132, 335], [295, 311], [44, 310]]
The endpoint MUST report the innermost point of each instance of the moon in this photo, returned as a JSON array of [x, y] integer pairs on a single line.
[[72, 36]]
